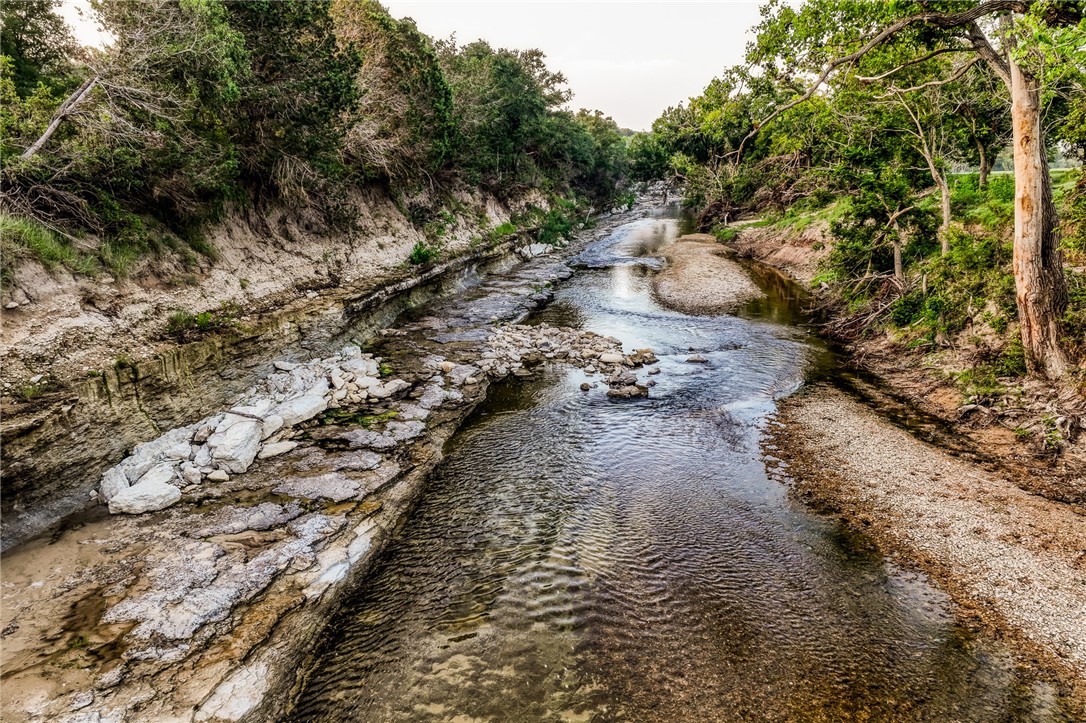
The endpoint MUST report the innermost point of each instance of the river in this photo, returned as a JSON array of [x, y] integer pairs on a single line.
[[581, 558]]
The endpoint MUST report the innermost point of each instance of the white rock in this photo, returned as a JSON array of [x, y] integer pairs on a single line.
[[447, 366], [191, 473], [218, 476], [367, 382], [301, 408], [339, 395], [396, 385], [202, 458], [611, 358], [363, 366], [164, 473], [284, 366], [146, 496], [272, 424], [235, 443], [379, 392], [350, 352], [114, 482], [276, 448]]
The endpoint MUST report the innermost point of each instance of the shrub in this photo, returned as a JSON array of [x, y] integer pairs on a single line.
[[424, 253], [184, 325]]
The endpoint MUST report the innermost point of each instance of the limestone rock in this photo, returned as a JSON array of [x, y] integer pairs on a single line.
[[218, 476], [114, 482], [275, 449], [299, 409], [235, 443], [148, 495], [272, 424]]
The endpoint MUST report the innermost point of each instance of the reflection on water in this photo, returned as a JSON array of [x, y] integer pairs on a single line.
[[578, 558]]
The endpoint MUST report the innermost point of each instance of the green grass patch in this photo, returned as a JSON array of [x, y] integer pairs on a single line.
[[184, 325], [22, 238]]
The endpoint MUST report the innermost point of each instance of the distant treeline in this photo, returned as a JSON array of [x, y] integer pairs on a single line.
[[196, 104]]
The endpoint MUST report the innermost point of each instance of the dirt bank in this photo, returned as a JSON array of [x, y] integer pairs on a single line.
[[700, 279], [1015, 560], [796, 252]]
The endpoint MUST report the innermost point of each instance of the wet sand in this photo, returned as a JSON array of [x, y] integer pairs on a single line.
[[700, 279]]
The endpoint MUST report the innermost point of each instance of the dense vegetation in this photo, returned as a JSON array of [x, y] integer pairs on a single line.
[[196, 105], [859, 114]]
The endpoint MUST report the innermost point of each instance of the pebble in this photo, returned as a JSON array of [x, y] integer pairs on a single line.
[[218, 476]]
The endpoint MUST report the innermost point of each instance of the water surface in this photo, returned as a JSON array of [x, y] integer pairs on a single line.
[[580, 558]]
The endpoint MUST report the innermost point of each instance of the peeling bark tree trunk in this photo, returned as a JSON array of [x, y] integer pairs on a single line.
[[1038, 270]]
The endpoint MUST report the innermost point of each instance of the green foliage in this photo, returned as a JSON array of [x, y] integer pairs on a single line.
[[559, 223], [21, 238], [37, 44], [184, 325], [207, 104], [424, 252]]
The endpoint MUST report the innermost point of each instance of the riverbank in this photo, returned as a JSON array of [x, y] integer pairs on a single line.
[[1013, 560], [204, 610], [1035, 430]]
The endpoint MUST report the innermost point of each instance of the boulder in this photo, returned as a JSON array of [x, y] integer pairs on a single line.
[[361, 366], [299, 409], [272, 424], [148, 495], [114, 482], [235, 443]]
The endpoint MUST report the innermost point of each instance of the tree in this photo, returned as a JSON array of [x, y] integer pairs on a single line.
[[832, 25], [39, 44]]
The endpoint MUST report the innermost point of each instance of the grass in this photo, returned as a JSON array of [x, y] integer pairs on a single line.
[[21, 238], [184, 325]]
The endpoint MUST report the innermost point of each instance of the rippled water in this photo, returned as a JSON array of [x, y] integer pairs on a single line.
[[580, 558]]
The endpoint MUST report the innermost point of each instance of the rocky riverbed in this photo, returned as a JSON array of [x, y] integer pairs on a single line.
[[231, 538]]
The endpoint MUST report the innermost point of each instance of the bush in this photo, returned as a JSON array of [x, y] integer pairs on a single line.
[[424, 253], [184, 325]]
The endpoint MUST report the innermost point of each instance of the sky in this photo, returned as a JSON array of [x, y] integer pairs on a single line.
[[630, 59]]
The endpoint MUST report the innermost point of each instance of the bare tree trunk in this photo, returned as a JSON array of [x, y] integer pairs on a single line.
[[985, 166], [62, 112], [1038, 270], [944, 205], [944, 198], [899, 241]]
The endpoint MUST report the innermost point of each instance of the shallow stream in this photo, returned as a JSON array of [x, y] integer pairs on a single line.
[[581, 558]]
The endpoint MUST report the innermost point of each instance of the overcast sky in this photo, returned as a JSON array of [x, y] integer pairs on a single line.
[[629, 58]]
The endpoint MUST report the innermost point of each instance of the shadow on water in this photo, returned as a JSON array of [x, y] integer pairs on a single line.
[[578, 558]]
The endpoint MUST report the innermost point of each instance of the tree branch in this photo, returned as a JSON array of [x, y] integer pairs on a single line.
[[929, 56], [934, 83], [966, 18]]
